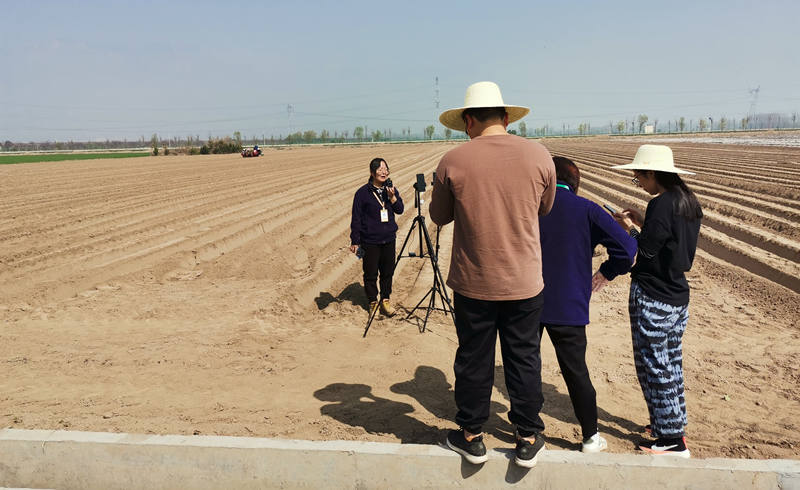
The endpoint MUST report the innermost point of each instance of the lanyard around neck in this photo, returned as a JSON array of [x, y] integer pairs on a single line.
[[564, 187], [375, 195]]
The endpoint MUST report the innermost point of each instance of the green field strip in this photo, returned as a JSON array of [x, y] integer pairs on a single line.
[[57, 157]]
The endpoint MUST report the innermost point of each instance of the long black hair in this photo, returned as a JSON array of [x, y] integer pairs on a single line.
[[687, 204]]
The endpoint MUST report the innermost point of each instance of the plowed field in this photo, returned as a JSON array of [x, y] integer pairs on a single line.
[[217, 295]]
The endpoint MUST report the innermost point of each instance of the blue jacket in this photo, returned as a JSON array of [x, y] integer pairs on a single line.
[[365, 224], [569, 234]]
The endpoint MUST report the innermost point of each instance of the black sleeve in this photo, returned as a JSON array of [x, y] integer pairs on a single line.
[[657, 227], [355, 222], [398, 207]]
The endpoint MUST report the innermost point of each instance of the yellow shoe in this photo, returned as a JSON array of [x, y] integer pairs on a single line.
[[373, 305], [386, 308]]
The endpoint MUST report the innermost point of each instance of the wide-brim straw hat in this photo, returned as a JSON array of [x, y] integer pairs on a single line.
[[481, 94], [654, 157]]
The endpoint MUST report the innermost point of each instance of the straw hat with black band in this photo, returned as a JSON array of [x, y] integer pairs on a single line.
[[479, 95], [657, 158]]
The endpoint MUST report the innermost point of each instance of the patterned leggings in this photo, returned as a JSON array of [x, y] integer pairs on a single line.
[[657, 329]]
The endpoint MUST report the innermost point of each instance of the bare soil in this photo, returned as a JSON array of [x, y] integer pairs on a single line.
[[216, 295]]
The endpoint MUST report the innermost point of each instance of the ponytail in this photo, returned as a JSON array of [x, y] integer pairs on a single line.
[[687, 204]]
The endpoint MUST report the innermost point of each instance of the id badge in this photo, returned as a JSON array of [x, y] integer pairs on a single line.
[[384, 215]]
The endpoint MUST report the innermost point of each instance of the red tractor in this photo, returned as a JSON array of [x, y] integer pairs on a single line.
[[251, 152]]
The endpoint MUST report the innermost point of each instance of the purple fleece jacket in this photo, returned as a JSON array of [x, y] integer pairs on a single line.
[[365, 224], [569, 234]]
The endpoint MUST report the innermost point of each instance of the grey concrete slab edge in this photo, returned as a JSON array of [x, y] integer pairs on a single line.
[[98, 460]]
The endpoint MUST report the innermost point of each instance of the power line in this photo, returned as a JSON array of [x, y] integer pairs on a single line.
[[162, 108]]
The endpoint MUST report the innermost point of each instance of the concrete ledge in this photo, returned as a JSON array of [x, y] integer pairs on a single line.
[[88, 460]]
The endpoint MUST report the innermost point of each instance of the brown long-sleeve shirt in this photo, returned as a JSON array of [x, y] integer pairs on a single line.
[[495, 188]]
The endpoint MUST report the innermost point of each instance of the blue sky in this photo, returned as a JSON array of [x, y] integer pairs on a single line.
[[97, 70]]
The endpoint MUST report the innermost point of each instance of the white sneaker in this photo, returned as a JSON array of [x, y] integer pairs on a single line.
[[594, 444]]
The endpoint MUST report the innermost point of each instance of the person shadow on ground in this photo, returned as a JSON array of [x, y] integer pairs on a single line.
[[353, 293], [355, 405], [559, 406], [431, 389]]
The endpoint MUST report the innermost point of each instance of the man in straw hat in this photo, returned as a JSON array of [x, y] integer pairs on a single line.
[[494, 188], [659, 297]]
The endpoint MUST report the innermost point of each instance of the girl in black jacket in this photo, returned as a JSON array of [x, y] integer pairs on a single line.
[[659, 296]]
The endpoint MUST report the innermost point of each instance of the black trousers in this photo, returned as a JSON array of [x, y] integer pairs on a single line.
[[378, 259], [478, 324], [570, 345]]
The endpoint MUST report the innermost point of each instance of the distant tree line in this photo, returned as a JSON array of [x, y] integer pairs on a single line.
[[72, 145], [361, 134], [642, 124], [159, 145]]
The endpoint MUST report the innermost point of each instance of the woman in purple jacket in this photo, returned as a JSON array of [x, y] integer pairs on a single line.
[[373, 231], [569, 234]]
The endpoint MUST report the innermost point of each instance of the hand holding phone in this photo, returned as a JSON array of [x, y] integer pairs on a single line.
[[610, 209]]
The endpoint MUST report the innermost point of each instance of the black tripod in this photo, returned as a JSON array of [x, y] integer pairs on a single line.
[[432, 253]]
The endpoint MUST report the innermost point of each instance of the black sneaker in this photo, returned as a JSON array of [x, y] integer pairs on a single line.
[[527, 451], [648, 429], [473, 451], [666, 447]]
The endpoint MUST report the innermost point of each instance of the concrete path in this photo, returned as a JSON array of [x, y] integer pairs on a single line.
[[89, 460]]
